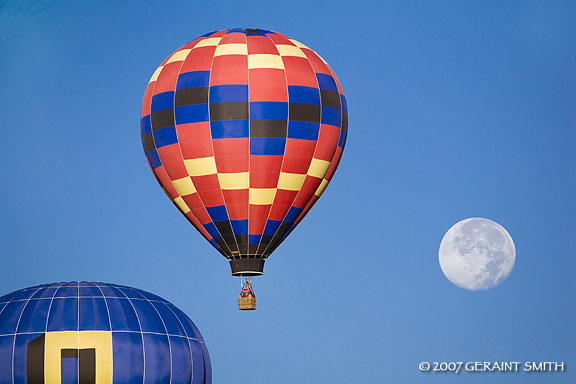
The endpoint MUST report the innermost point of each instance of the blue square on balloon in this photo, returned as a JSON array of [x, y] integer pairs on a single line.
[[154, 159], [254, 239], [193, 79], [90, 291], [268, 110], [165, 136], [343, 103], [150, 296], [342, 139], [200, 370], [304, 130], [34, 316], [21, 344], [130, 367], [8, 297], [157, 357], [122, 315], [6, 352], [170, 320], [303, 95], [240, 227], [45, 293], [331, 116], [24, 294], [218, 213], [10, 315], [189, 327], [267, 146], [292, 214], [271, 227], [130, 293], [253, 32], [69, 370], [145, 125], [229, 129], [196, 113], [162, 101], [63, 315], [212, 230], [182, 364], [149, 319], [67, 290], [228, 93], [326, 82], [93, 314], [111, 291]]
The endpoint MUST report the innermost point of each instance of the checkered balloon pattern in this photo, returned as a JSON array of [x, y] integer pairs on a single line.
[[244, 129], [97, 333]]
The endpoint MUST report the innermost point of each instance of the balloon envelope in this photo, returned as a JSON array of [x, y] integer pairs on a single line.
[[97, 333], [244, 129]]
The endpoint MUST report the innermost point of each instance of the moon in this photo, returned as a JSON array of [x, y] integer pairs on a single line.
[[477, 254]]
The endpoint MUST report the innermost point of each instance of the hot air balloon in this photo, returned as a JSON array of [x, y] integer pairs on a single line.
[[97, 333], [244, 129]]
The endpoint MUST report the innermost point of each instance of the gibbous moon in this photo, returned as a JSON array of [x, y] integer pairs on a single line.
[[477, 254]]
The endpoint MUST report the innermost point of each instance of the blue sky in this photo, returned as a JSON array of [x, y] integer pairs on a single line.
[[457, 109]]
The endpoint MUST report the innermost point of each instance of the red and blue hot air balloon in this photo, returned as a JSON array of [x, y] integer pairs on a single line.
[[244, 129]]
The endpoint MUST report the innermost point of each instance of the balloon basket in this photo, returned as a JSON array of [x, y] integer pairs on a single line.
[[247, 303], [247, 298]]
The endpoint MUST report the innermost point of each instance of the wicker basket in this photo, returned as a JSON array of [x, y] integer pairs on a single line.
[[247, 298], [246, 301]]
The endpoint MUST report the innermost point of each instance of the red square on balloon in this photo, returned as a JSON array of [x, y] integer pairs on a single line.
[[256, 226], [299, 71], [235, 196], [229, 69], [258, 44], [232, 164], [327, 142], [268, 84], [300, 148], [265, 163], [199, 60], [232, 147], [237, 211], [166, 81], [206, 183], [147, 99], [278, 212], [171, 158], [317, 63], [233, 38], [264, 179]]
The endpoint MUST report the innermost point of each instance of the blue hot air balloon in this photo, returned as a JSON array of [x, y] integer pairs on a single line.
[[97, 333]]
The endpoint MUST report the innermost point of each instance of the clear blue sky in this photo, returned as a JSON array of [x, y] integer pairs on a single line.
[[457, 109]]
